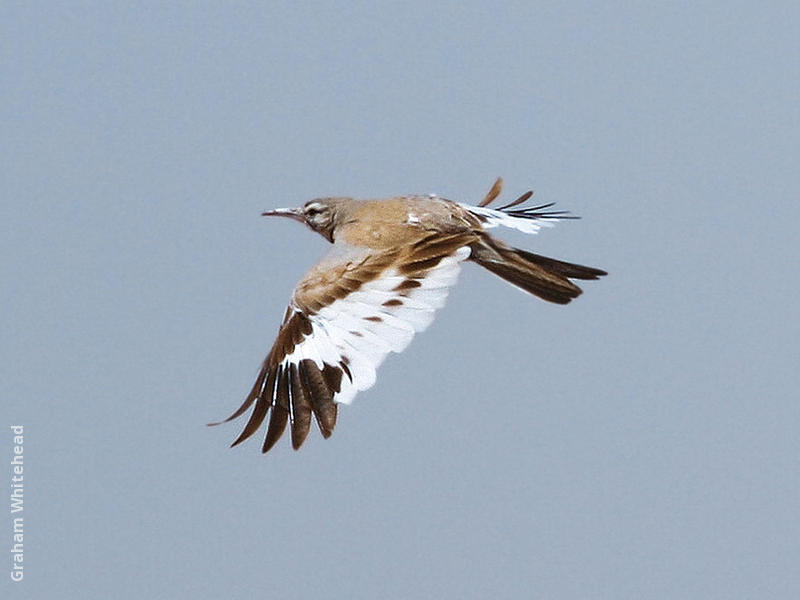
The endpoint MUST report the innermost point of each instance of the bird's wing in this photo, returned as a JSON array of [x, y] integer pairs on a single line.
[[345, 316], [526, 219]]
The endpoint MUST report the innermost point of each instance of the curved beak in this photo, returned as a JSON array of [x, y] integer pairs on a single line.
[[292, 213]]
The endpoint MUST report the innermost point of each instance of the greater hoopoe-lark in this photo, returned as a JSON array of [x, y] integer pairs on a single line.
[[390, 267]]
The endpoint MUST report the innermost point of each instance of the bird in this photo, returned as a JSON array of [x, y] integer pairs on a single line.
[[390, 266]]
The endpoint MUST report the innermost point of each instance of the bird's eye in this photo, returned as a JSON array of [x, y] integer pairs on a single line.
[[312, 210]]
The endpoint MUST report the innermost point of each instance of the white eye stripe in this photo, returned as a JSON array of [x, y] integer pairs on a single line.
[[314, 208]]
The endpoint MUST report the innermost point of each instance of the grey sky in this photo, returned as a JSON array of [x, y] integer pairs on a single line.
[[641, 442]]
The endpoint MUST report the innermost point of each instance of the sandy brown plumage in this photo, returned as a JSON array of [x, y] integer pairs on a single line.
[[389, 268]]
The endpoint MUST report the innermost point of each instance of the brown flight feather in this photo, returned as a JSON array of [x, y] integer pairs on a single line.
[[519, 200], [493, 192], [547, 280], [280, 410]]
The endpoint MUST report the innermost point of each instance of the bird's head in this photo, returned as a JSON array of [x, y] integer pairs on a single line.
[[321, 214]]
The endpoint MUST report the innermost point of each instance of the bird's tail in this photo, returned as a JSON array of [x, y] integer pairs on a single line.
[[547, 278]]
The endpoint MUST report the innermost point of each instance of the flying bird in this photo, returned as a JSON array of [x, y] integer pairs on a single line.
[[388, 270]]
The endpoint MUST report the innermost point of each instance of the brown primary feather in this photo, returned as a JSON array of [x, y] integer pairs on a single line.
[[279, 416], [320, 393], [300, 391], [300, 409], [256, 418], [251, 397], [295, 327]]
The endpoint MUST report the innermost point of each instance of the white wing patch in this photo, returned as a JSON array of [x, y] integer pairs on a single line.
[[493, 218], [357, 332]]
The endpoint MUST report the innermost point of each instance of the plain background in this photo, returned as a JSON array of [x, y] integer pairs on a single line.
[[642, 442]]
